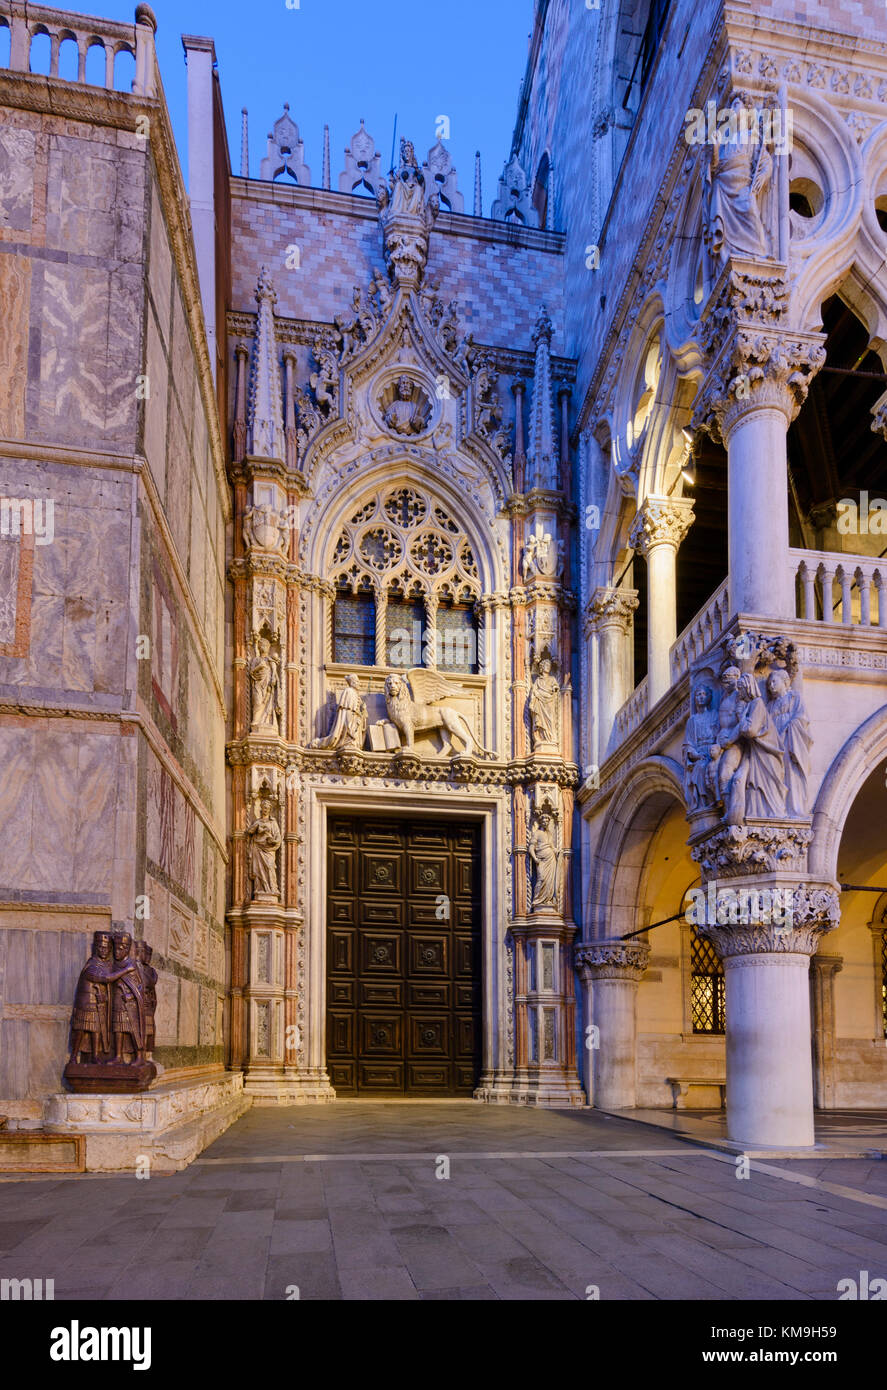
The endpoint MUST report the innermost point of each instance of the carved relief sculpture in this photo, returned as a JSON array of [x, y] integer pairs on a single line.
[[700, 737], [793, 727], [113, 1018], [426, 714], [756, 787], [349, 724], [265, 840], [408, 413], [262, 528], [264, 676], [543, 557]]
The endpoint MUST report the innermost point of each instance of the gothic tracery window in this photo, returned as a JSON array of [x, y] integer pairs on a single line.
[[404, 552]]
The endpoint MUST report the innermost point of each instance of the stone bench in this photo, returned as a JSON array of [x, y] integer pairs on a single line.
[[708, 1092]]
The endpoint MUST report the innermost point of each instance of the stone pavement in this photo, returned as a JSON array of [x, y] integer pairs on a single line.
[[344, 1202]]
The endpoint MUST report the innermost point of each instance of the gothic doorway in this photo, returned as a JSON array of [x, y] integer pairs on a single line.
[[403, 957]]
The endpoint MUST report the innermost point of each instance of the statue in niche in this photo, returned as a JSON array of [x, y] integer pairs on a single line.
[[737, 178], [406, 414], [700, 736], [112, 1021], [546, 861], [349, 725], [756, 788], [129, 1020], [793, 727], [264, 675], [543, 707], [265, 840]]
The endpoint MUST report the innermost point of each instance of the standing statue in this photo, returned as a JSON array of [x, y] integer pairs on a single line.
[[350, 721], [738, 175], [546, 859], [757, 788], [114, 1001], [91, 1018], [128, 1001], [264, 841], [264, 675], [700, 736], [793, 727], [543, 707], [726, 754], [149, 992]]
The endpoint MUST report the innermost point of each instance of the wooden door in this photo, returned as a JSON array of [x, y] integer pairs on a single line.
[[403, 957]]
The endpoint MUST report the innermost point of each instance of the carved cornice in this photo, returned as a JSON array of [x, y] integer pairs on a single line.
[[400, 765], [661, 521], [610, 608], [732, 851], [611, 960]]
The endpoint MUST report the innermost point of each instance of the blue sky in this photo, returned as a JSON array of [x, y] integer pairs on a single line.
[[337, 60]]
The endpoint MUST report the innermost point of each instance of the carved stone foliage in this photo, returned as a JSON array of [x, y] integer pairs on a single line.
[[814, 910], [611, 960], [736, 850], [610, 607], [746, 750], [661, 521], [403, 538]]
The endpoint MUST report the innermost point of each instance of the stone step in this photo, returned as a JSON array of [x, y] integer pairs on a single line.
[[34, 1151]]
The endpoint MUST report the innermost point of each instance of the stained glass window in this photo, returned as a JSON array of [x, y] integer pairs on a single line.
[[354, 629], [707, 987]]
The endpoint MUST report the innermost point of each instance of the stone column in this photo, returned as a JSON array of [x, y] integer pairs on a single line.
[[756, 384], [766, 966], [823, 970], [658, 530], [608, 616], [612, 971]]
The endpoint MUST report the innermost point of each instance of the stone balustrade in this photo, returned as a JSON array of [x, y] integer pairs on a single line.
[[631, 714], [831, 587], [699, 634], [27, 22]]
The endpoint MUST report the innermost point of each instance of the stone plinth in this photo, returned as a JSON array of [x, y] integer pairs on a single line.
[[169, 1125]]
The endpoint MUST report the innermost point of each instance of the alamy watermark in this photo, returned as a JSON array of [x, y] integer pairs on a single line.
[[739, 124], [22, 516], [741, 907]]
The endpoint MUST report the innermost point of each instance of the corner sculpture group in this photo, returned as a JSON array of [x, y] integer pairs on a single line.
[[112, 1024]]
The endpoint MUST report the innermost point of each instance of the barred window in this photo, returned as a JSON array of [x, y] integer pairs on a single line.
[[884, 982], [707, 987], [405, 632], [457, 638], [354, 629]]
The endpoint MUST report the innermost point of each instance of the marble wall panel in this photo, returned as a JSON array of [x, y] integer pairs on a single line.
[[207, 1034], [181, 933], [156, 404], [47, 1054], [15, 293], [101, 797], [16, 799], [201, 947], [166, 1017], [188, 1010], [56, 806], [17, 158], [160, 266], [14, 1058]]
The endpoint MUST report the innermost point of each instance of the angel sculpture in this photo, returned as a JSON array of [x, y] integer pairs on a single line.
[[425, 713]]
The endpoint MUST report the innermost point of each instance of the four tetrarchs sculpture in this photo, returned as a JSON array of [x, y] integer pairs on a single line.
[[112, 1023]]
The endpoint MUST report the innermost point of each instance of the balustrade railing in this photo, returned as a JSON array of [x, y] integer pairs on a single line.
[[832, 587], [701, 631], [632, 713], [27, 22]]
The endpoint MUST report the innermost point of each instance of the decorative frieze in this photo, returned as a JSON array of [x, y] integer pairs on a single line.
[[611, 960]]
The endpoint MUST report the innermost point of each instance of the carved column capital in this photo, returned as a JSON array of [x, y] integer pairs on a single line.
[[879, 416], [611, 960], [756, 361], [812, 910], [610, 608], [661, 521]]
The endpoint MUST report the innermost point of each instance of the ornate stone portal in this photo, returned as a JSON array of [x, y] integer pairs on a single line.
[[402, 629]]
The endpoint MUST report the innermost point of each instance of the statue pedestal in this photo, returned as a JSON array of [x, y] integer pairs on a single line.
[[91, 1078], [164, 1128]]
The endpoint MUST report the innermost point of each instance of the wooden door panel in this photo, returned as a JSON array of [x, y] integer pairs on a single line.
[[403, 954]]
